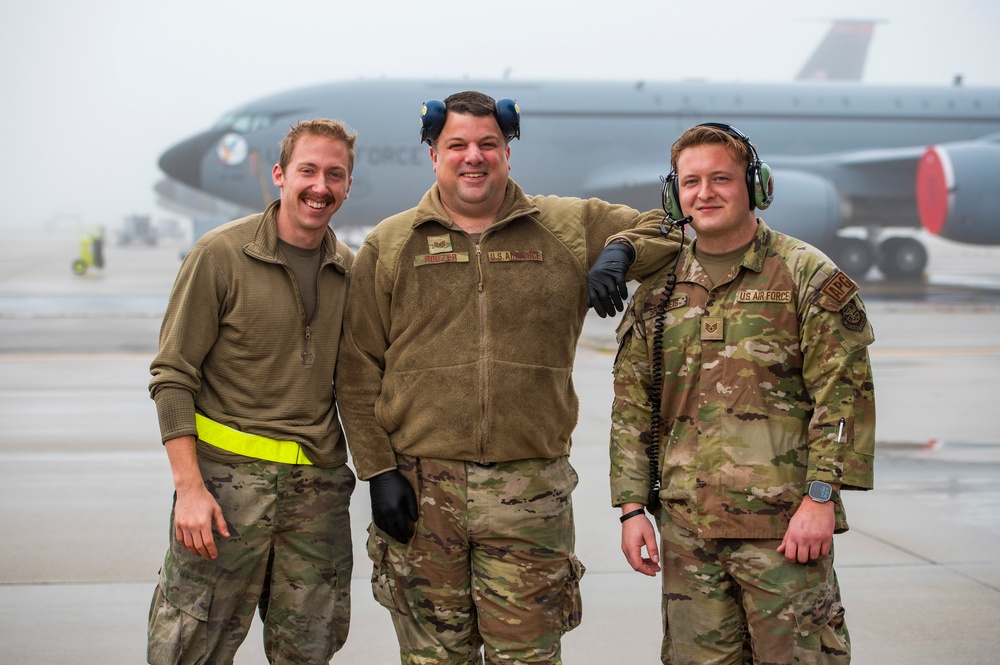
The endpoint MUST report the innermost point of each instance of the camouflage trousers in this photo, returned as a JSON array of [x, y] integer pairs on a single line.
[[288, 555], [733, 601], [490, 566]]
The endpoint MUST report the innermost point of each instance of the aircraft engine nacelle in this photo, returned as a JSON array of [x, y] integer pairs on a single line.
[[806, 206], [957, 193]]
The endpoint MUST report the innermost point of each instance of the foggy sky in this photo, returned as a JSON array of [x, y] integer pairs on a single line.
[[94, 92]]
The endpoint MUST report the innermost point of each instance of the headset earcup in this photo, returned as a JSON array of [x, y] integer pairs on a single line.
[[671, 198], [763, 194], [509, 117], [431, 120]]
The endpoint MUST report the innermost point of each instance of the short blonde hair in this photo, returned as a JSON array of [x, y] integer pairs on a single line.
[[336, 130]]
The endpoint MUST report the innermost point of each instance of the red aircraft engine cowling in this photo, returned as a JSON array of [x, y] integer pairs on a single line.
[[958, 191]]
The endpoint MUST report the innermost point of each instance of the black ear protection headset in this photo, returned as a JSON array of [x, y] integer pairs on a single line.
[[760, 181], [433, 113]]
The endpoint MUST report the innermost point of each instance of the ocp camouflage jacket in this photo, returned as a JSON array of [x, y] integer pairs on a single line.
[[757, 373]]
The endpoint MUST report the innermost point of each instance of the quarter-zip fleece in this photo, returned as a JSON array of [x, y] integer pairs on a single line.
[[235, 344]]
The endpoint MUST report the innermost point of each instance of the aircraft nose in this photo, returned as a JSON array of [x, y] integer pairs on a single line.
[[183, 161]]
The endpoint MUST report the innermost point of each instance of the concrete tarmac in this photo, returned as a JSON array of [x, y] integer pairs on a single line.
[[84, 510]]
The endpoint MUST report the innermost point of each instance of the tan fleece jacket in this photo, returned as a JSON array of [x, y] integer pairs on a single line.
[[459, 350], [235, 344]]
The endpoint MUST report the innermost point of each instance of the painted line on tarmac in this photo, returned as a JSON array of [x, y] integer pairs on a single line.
[[940, 351], [61, 357], [591, 352], [586, 351], [98, 456]]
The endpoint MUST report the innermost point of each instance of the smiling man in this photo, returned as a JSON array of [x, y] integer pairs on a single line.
[[243, 384], [455, 386], [743, 404]]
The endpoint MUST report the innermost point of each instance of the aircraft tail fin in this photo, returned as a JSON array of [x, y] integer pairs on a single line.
[[842, 53]]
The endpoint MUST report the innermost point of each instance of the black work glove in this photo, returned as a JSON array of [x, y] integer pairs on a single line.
[[606, 279], [394, 504]]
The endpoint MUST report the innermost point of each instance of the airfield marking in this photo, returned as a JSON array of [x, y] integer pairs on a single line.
[[591, 352], [60, 357], [585, 351]]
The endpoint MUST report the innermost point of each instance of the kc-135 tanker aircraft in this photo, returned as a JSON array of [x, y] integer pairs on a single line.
[[857, 167]]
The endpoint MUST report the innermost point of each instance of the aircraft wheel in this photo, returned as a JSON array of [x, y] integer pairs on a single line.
[[854, 256], [79, 266], [902, 258]]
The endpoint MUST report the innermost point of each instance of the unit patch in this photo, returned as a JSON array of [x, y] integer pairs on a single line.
[[853, 317], [515, 255], [754, 295], [711, 328], [431, 259], [839, 287], [439, 244]]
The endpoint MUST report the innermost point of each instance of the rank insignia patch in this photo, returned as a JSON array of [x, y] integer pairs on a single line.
[[439, 244], [711, 328]]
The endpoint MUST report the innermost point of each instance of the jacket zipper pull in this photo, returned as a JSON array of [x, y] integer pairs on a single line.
[[479, 264]]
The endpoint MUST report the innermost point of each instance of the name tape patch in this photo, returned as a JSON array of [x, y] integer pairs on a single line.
[[432, 259], [514, 255], [754, 295], [679, 301]]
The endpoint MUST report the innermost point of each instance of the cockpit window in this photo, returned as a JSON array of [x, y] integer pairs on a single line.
[[244, 122]]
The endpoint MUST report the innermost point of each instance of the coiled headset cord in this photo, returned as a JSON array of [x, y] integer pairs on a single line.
[[656, 372]]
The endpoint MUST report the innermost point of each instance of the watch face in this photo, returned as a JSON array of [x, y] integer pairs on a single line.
[[820, 491]]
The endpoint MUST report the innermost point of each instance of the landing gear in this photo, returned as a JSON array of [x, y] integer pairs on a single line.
[[902, 258], [899, 258], [854, 256]]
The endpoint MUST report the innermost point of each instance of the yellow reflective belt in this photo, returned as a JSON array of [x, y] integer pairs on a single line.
[[249, 445]]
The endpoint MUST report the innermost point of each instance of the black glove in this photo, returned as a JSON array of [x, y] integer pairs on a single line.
[[606, 279], [394, 504]]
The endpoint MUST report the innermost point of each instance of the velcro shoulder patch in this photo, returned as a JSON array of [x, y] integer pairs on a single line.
[[836, 292]]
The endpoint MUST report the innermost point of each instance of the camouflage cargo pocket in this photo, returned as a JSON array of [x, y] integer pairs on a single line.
[[383, 579], [821, 635], [178, 615], [572, 602]]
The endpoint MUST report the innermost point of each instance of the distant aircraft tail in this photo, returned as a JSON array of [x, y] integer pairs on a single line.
[[842, 53]]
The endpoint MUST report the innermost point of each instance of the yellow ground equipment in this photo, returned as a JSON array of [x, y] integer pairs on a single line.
[[91, 252]]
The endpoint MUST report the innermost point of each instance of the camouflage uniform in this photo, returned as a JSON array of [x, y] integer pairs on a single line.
[[289, 551], [757, 373], [514, 522]]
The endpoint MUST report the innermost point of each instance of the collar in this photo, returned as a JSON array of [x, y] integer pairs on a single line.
[[264, 245], [515, 204], [690, 271]]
